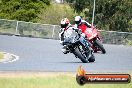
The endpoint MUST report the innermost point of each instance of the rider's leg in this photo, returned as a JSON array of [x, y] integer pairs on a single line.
[[61, 36], [64, 49]]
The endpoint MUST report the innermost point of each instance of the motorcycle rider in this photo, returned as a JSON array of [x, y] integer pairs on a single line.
[[65, 24], [81, 24]]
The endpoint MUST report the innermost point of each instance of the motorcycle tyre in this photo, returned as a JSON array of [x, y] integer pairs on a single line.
[[91, 59], [96, 42], [77, 53]]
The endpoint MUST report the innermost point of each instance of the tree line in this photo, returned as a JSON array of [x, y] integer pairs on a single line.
[[113, 15], [109, 14], [23, 10]]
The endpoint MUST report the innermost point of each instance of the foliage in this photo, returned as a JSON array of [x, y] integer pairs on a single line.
[[78, 5], [55, 12], [128, 42], [23, 10], [109, 14]]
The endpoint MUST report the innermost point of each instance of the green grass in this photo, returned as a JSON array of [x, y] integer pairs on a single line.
[[129, 42], [1, 55], [61, 81]]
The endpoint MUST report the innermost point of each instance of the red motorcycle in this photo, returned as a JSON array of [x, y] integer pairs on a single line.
[[93, 37]]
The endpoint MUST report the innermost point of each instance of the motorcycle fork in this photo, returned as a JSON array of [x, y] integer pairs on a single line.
[[71, 48], [85, 50]]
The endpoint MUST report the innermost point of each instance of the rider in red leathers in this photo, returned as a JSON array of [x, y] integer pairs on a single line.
[[82, 24], [85, 26]]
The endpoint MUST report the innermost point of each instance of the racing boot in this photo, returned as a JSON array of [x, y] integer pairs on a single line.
[[65, 50]]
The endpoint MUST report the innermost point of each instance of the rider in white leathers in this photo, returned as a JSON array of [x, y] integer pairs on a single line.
[[65, 24]]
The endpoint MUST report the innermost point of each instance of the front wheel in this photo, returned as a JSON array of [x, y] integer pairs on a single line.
[[91, 59], [100, 46], [77, 53]]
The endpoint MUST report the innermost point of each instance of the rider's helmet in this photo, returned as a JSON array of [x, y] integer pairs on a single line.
[[78, 20], [64, 22]]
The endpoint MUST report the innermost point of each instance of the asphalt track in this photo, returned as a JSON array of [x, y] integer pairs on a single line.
[[45, 55]]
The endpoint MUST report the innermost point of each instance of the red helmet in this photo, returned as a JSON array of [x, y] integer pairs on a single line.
[[64, 23]]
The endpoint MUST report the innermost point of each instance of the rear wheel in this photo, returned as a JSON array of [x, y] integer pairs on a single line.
[[77, 53], [100, 46]]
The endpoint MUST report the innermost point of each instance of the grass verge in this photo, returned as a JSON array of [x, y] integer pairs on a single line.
[[1, 55], [52, 80], [129, 42]]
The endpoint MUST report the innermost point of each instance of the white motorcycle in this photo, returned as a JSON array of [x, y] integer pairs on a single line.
[[73, 45]]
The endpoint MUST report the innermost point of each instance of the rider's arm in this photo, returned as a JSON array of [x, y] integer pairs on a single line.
[[87, 24], [79, 31], [61, 32]]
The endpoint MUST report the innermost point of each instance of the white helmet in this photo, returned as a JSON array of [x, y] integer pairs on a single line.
[[78, 20], [64, 23]]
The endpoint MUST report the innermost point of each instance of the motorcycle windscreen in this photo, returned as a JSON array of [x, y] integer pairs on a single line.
[[70, 36]]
